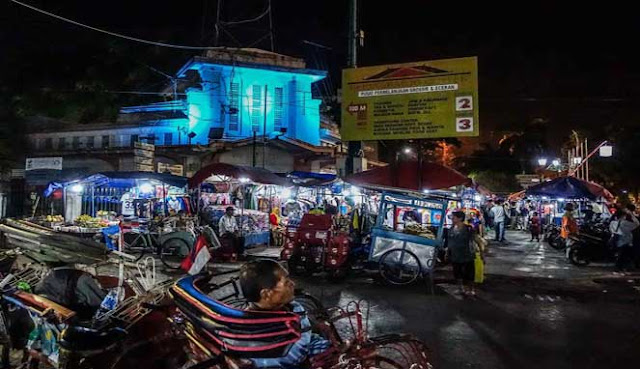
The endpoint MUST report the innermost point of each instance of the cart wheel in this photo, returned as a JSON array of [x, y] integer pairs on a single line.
[[136, 245], [399, 267], [173, 252]]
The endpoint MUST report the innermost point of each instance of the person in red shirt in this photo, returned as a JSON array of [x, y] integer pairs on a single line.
[[534, 226]]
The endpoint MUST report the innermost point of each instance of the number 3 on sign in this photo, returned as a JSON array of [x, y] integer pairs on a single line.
[[464, 103], [464, 124]]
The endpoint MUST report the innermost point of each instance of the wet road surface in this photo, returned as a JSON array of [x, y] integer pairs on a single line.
[[534, 310]]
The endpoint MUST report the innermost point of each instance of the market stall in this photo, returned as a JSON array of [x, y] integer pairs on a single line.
[[551, 197], [98, 201], [252, 192]]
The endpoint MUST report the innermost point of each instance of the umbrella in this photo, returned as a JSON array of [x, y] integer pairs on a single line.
[[256, 175], [409, 175], [571, 188]]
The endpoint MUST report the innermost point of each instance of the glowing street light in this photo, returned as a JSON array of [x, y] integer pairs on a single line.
[[542, 162], [77, 188], [556, 162], [577, 160], [407, 150], [606, 151], [146, 188]]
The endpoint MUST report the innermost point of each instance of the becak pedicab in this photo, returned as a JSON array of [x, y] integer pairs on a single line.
[[318, 245], [224, 331]]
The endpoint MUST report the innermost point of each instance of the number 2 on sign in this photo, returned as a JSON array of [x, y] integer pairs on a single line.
[[464, 124], [464, 103]]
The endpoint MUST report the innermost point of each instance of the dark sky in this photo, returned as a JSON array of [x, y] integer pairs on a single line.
[[573, 64]]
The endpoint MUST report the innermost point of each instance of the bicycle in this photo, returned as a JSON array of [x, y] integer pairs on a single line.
[[171, 247]]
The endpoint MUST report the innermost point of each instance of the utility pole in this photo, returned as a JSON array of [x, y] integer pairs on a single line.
[[354, 147], [353, 34]]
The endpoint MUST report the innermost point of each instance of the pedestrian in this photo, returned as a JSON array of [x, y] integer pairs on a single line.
[[524, 212], [535, 227], [229, 231], [486, 209], [636, 237], [498, 213], [622, 227], [569, 227], [461, 250]]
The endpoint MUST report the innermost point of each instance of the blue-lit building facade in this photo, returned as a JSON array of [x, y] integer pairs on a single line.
[[223, 104]]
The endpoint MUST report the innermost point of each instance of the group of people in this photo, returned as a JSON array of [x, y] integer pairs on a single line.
[[501, 214], [625, 235]]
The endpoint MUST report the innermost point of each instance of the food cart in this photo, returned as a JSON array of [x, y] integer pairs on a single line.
[[407, 233]]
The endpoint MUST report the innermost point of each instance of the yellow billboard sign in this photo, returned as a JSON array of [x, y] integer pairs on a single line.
[[431, 99]]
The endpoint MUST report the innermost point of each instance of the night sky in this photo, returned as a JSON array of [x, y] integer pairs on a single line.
[[575, 66]]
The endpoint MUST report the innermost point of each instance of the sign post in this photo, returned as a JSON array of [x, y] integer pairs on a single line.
[[143, 155], [431, 99]]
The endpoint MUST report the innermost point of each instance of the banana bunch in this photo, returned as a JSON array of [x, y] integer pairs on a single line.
[[54, 218]]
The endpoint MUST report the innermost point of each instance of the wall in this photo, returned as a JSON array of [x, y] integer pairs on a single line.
[[278, 161], [212, 104]]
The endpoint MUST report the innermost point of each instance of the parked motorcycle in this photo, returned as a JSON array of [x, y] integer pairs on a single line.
[[590, 244], [552, 236]]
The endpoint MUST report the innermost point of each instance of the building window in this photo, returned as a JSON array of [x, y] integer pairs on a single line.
[[105, 141], [168, 138], [134, 139], [62, 143], [278, 103], [48, 143], [76, 142], [256, 108], [234, 108], [90, 142]]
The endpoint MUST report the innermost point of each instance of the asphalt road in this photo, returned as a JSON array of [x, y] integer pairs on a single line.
[[534, 310]]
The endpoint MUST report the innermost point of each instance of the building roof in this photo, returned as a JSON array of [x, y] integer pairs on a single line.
[[251, 58]]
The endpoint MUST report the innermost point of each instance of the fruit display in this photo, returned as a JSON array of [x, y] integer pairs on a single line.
[[105, 214], [54, 219], [88, 221]]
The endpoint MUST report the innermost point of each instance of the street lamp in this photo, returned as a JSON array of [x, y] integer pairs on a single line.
[[542, 162], [606, 151], [556, 162], [407, 150], [577, 160]]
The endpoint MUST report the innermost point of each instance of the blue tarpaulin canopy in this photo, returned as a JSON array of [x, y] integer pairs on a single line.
[[311, 179], [131, 179], [570, 188]]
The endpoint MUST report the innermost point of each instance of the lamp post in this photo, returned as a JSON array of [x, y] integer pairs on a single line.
[[542, 162]]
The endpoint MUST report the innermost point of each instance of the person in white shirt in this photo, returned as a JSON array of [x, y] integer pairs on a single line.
[[227, 223], [497, 212], [623, 225], [228, 229]]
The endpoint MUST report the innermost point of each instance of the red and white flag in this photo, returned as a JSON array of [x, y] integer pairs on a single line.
[[197, 258]]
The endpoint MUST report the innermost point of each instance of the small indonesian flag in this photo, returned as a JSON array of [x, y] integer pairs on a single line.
[[197, 258]]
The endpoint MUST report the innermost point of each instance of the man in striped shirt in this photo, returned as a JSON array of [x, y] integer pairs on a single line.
[[267, 286]]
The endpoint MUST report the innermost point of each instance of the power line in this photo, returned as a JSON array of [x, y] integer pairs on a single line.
[[155, 43], [249, 20]]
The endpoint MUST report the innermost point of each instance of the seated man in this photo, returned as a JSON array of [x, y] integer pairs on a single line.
[[267, 286]]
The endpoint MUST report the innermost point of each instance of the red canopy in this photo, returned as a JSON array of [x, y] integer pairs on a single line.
[[256, 175], [406, 175]]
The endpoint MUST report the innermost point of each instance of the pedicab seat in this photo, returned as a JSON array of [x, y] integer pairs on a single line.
[[236, 332]]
